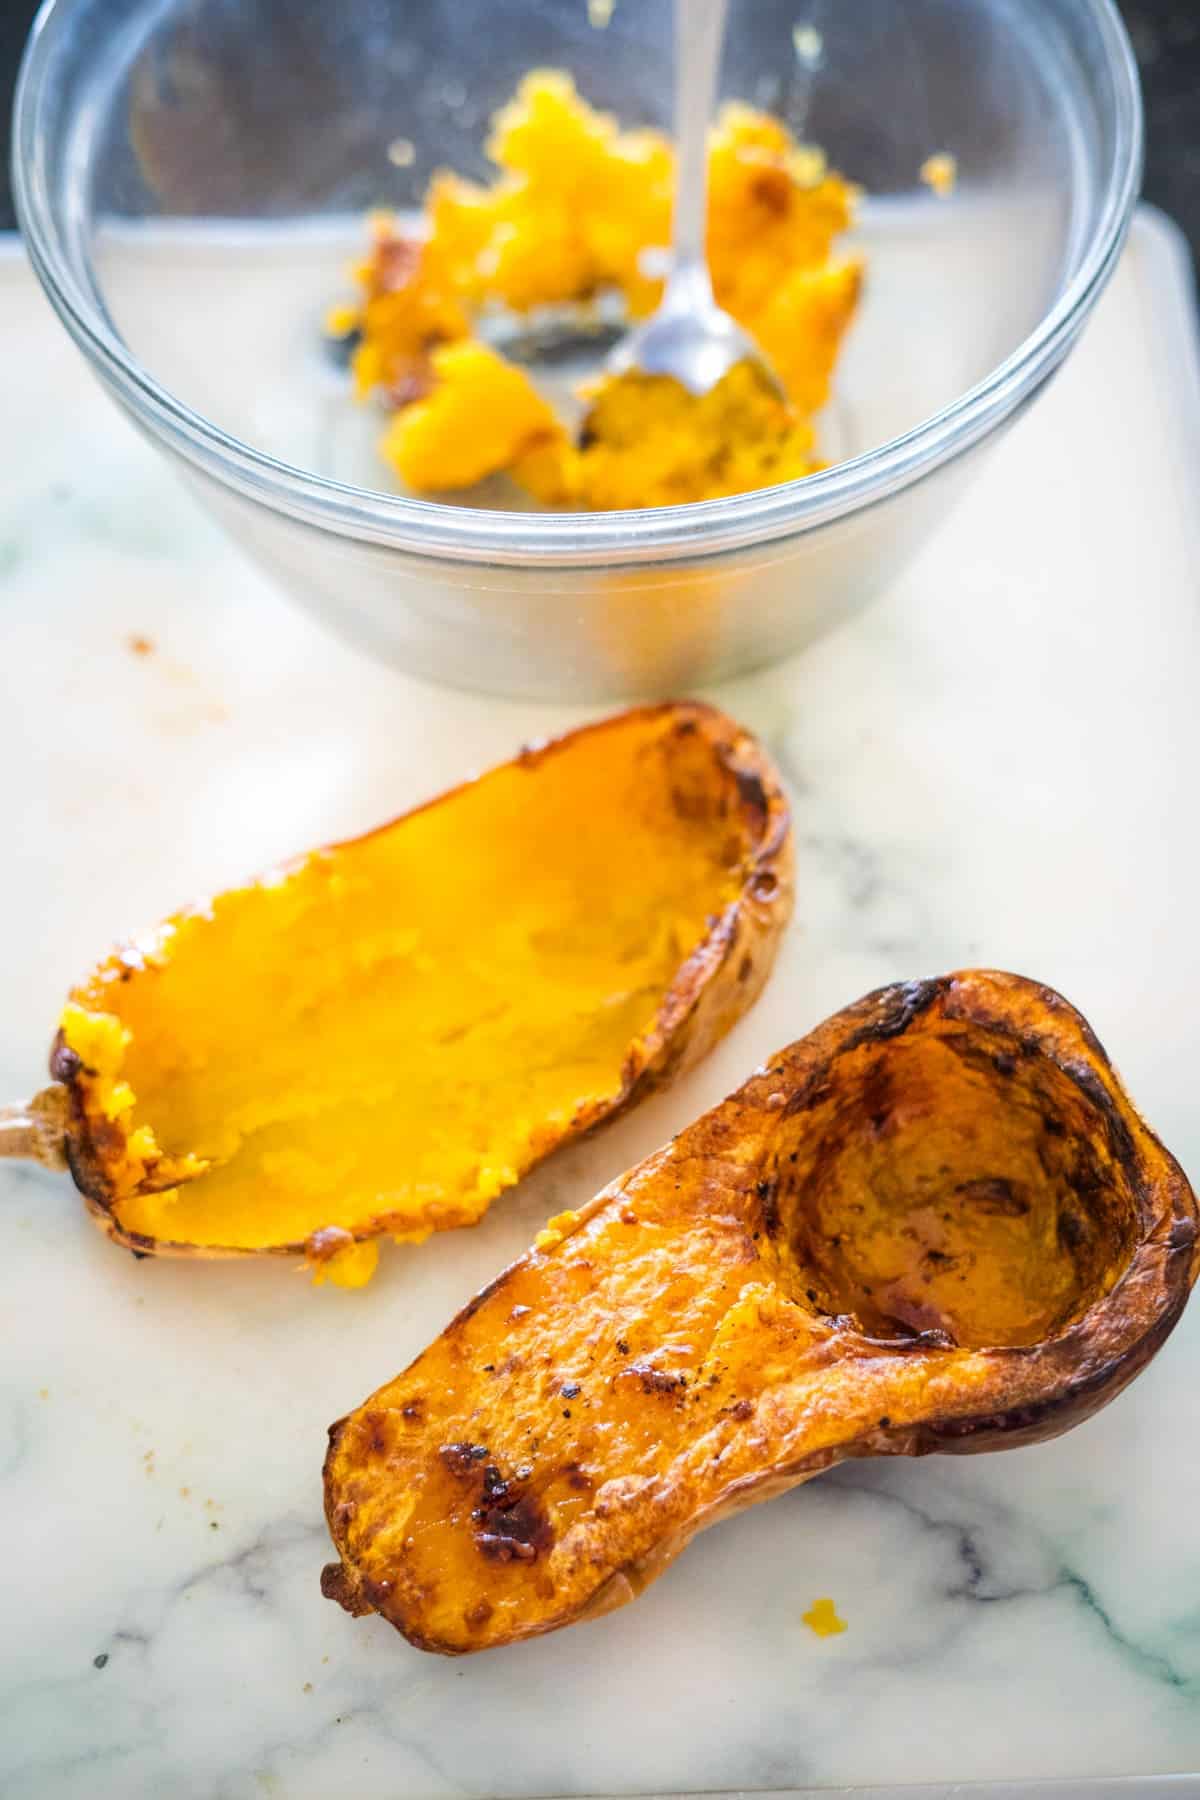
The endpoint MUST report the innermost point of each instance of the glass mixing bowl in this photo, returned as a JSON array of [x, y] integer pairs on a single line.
[[191, 174]]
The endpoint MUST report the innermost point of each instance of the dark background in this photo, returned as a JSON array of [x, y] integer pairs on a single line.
[[1165, 33]]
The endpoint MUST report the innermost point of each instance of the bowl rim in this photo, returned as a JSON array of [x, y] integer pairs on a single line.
[[429, 528]]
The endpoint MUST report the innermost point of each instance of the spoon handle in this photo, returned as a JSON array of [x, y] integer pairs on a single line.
[[699, 35]]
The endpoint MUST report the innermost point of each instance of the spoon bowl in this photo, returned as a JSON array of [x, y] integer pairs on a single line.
[[691, 339]]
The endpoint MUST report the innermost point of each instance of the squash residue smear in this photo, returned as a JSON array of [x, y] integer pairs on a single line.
[[576, 212]]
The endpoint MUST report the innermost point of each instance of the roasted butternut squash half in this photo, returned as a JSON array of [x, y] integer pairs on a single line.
[[937, 1223], [382, 1036]]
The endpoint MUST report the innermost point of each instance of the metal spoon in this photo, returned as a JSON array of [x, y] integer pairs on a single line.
[[689, 336]]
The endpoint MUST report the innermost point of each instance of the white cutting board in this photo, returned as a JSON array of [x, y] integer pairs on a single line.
[[999, 763]]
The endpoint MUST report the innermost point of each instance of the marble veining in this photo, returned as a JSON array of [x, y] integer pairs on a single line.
[[998, 763]]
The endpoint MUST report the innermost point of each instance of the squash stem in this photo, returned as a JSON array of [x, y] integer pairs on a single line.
[[36, 1129]]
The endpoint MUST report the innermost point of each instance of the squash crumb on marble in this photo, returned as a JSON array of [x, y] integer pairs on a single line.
[[578, 209], [940, 173], [822, 1618], [352, 1267]]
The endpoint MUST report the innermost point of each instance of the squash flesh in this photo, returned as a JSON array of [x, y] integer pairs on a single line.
[[387, 1034]]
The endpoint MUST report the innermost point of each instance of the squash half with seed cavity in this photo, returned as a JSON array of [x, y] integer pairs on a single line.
[[381, 1037], [937, 1223]]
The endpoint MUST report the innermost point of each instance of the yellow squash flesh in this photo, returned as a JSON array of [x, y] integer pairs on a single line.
[[383, 1036]]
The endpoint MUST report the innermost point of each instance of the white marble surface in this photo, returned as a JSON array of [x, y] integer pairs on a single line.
[[999, 763]]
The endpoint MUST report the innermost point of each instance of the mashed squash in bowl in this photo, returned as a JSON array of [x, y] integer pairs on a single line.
[[579, 211]]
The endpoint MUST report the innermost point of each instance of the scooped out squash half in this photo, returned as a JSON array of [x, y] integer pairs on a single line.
[[384, 1035], [937, 1223]]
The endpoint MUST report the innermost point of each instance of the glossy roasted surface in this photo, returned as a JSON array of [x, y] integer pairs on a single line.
[[936, 1222]]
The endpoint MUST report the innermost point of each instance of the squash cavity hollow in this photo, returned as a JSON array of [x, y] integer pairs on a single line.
[[950, 1185]]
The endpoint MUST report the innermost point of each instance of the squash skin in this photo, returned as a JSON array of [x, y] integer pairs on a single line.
[[472, 1505], [717, 980]]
